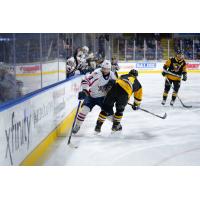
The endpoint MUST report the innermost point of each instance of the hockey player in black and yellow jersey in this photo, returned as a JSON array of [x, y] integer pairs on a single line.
[[119, 95], [174, 69]]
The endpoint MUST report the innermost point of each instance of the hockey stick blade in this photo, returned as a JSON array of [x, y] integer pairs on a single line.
[[72, 146], [162, 117], [185, 106]]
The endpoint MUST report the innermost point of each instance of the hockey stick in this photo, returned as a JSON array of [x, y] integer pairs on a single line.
[[70, 136], [185, 106], [168, 72], [162, 117]]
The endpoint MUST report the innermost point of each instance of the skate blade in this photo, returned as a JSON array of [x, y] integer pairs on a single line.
[[116, 132], [97, 133], [73, 146]]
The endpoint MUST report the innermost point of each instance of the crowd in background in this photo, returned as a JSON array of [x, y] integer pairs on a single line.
[[188, 44], [84, 61], [82, 53]]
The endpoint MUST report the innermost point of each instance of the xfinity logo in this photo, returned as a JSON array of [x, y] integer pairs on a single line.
[[17, 135]]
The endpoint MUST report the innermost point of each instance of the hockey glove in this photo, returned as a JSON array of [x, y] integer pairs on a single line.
[[164, 73], [184, 77], [83, 94], [109, 85], [135, 106]]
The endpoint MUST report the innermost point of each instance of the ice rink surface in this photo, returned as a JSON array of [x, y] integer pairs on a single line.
[[145, 139]]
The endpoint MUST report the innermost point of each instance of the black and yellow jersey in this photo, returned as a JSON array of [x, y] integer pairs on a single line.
[[131, 85], [175, 66]]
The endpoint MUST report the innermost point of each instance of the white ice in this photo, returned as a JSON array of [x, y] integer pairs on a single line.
[[145, 139]]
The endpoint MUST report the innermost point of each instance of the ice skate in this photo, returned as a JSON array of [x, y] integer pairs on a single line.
[[116, 127], [172, 103], [163, 102]]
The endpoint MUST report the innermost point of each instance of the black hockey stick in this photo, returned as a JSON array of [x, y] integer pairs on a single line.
[[162, 117], [168, 72], [70, 136], [185, 106]]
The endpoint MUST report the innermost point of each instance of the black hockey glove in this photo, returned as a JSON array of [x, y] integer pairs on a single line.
[[164, 73], [135, 106], [109, 85], [83, 94], [184, 77]]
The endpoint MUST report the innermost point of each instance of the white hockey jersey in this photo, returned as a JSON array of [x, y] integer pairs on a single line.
[[95, 81]]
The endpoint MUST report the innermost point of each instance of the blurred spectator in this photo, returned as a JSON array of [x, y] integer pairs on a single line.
[[10, 88], [114, 66], [187, 47], [101, 43], [70, 67], [77, 54]]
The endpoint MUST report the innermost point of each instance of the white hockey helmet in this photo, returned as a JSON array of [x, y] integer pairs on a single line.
[[106, 64], [85, 49]]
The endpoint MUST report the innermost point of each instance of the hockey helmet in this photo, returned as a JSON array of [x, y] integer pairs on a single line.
[[106, 64], [133, 72]]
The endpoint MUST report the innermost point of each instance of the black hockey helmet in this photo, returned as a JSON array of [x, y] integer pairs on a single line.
[[133, 72]]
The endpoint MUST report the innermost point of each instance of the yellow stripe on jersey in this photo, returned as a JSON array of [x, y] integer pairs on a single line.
[[185, 69], [173, 78], [168, 63], [127, 85], [138, 96]]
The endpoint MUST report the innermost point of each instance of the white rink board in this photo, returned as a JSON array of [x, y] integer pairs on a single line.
[[28, 123]]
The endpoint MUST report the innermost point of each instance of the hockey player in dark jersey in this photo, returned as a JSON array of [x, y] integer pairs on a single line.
[[119, 95], [174, 70]]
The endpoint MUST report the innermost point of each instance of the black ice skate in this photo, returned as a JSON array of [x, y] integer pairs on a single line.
[[172, 102], [163, 102], [98, 127], [116, 127]]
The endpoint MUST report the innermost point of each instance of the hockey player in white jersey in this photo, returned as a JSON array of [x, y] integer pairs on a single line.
[[94, 89]]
